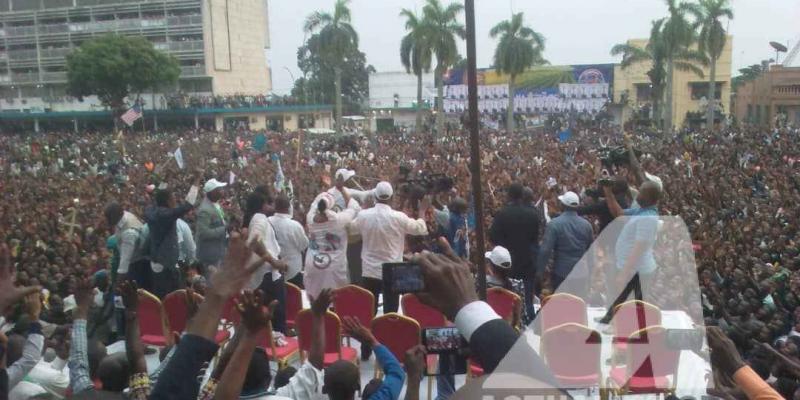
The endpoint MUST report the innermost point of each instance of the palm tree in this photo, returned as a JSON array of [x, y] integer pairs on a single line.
[[336, 36], [443, 27], [520, 48], [678, 35], [416, 54], [652, 53], [711, 42]]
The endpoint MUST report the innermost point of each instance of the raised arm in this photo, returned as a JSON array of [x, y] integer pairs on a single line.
[[319, 307], [134, 349], [79, 378], [255, 319], [636, 167], [34, 344], [613, 205], [395, 376], [179, 378]]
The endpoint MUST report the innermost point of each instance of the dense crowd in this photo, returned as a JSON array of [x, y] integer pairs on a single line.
[[180, 100], [69, 200]]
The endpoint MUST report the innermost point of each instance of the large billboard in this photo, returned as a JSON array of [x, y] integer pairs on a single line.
[[583, 88]]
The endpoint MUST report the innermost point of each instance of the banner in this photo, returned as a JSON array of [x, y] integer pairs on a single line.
[[179, 158]]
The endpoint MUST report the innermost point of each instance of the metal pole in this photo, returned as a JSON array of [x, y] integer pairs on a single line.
[[475, 145]]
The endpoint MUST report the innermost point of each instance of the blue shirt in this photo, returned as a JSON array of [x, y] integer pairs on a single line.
[[567, 237], [394, 375], [641, 226]]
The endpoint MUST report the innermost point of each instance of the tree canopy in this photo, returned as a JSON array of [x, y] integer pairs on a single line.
[[317, 85], [114, 66]]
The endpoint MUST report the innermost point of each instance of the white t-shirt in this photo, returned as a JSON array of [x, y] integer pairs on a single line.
[[326, 259]]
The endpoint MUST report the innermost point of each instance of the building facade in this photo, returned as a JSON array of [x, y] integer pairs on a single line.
[[771, 99], [393, 99], [220, 45], [690, 91]]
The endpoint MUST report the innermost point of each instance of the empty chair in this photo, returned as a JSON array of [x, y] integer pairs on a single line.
[[153, 325], [632, 316], [572, 352], [427, 317], [650, 363], [562, 308], [356, 302]]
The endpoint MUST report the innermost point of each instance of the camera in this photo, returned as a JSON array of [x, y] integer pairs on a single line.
[[617, 156]]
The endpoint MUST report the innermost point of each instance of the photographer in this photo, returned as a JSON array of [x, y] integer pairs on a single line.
[[621, 192]]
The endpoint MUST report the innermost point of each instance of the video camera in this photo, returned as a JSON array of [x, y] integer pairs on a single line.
[[416, 187], [617, 156]]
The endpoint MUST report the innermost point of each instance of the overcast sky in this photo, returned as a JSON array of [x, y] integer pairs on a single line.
[[577, 31]]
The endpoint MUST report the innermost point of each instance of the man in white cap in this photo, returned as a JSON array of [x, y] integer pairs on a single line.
[[566, 238], [345, 176], [384, 231], [212, 233]]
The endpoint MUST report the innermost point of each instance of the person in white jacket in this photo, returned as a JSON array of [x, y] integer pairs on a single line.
[[291, 238], [326, 260]]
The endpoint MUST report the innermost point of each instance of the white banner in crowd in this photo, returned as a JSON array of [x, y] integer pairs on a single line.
[[179, 158]]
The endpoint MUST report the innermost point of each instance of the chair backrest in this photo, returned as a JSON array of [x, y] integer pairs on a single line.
[[229, 312], [562, 308], [425, 316], [396, 332], [572, 350], [152, 319], [634, 315], [650, 356], [354, 301], [333, 331], [294, 301], [177, 309], [504, 302]]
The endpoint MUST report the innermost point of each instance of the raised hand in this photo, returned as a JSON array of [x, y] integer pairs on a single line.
[[84, 291], [449, 284], [358, 331], [236, 271], [255, 316], [130, 295], [33, 305], [10, 294], [321, 304]]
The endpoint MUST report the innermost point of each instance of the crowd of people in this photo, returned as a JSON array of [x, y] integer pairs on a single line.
[[180, 100], [88, 218]]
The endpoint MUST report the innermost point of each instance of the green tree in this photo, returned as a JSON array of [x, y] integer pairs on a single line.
[[711, 41], [337, 38], [416, 54], [679, 35], [519, 48], [112, 67], [653, 54], [318, 82], [443, 25]]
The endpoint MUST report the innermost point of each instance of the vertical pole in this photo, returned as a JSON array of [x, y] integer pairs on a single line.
[[475, 145]]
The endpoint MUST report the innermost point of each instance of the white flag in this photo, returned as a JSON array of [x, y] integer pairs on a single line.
[[231, 178], [179, 158]]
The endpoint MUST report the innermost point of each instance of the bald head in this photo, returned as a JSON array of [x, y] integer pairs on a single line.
[[649, 194], [342, 380]]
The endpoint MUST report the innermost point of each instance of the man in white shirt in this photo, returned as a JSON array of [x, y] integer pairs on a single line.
[[291, 238], [187, 248], [384, 233]]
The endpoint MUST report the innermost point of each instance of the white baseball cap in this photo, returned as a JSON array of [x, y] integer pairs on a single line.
[[384, 190], [656, 180], [499, 256], [346, 174], [570, 199], [213, 185]]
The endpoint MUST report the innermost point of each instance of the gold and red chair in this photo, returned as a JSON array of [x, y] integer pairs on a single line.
[[573, 353], [153, 325], [294, 303], [280, 354], [649, 365], [632, 316], [356, 302], [562, 308]]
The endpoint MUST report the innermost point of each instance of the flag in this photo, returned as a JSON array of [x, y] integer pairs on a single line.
[[231, 178], [132, 114], [565, 135], [280, 178], [179, 158]]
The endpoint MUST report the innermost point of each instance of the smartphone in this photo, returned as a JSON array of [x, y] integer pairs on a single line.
[[400, 278], [448, 351]]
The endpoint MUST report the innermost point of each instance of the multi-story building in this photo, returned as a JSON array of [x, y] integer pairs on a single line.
[[219, 43], [772, 99], [689, 91]]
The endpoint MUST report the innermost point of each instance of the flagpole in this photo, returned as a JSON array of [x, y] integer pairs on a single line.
[[474, 141], [141, 108]]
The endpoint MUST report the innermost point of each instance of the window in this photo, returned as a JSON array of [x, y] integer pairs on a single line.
[[644, 92], [700, 90]]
